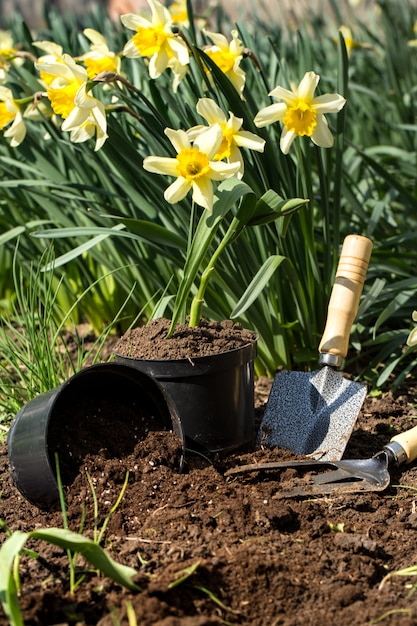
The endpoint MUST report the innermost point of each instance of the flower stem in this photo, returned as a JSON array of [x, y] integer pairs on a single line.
[[198, 300]]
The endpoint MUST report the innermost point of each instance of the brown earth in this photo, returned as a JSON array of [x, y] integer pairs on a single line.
[[259, 560]]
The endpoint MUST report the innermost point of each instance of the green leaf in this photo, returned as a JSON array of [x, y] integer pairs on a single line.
[[258, 283], [271, 207], [95, 554], [154, 233], [10, 549]]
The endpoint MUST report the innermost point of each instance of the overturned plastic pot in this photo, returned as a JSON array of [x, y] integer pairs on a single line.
[[214, 395], [107, 407]]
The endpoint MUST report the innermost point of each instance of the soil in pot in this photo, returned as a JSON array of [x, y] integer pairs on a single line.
[[187, 342]]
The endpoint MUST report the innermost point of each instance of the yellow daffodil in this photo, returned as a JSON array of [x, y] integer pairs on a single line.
[[301, 113], [233, 137], [179, 13], [194, 166], [83, 114], [99, 58], [155, 39], [227, 56], [69, 78], [10, 113]]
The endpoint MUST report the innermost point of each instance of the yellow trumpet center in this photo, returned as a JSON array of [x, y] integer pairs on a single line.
[[95, 66], [223, 59], [6, 116], [192, 163], [225, 147], [148, 41], [301, 117], [62, 98]]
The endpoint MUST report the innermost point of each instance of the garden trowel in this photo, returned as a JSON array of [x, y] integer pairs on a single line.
[[314, 413]]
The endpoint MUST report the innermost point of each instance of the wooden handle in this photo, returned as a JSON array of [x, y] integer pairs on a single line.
[[408, 441], [345, 296]]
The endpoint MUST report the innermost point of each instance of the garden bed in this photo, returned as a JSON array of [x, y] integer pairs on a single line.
[[255, 559]]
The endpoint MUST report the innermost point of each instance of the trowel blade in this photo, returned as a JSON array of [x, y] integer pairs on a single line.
[[311, 413]]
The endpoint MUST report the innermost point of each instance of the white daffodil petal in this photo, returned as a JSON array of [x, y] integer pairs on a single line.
[[209, 141], [329, 103], [95, 37], [412, 338], [158, 63], [134, 21], [322, 136], [203, 193], [236, 157], [221, 170], [82, 133], [50, 47], [283, 94], [194, 132], [270, 114], [308, 85], [99, 115], [17, 131], [161, 165], [160, 14], [5, 94], [180, 50], [178, 190], [246, 139], [130, 50], [76, 118], [211, 111], [179, 139], [218, 39], [287, 137]]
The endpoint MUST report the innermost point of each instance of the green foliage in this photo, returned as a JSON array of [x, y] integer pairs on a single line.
[[105, 213], [34, 355]]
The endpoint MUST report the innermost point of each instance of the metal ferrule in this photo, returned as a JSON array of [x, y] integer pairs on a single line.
[[331, 360], [397, 452]]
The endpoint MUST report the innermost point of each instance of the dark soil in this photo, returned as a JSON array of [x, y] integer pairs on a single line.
[[186, 342], [259, 559]]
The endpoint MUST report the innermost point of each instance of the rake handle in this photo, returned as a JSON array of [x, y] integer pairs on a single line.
[[345, 296]]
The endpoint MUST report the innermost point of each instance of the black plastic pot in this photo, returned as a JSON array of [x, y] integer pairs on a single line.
[[30, 449], [214, 395]]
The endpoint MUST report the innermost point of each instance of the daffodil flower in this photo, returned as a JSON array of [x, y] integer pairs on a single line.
[[10, 113], [301, 113], [83, 114], [227, 56], [194, 166], [99, 58], [179, 13], [155, 39], [233, 137]]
